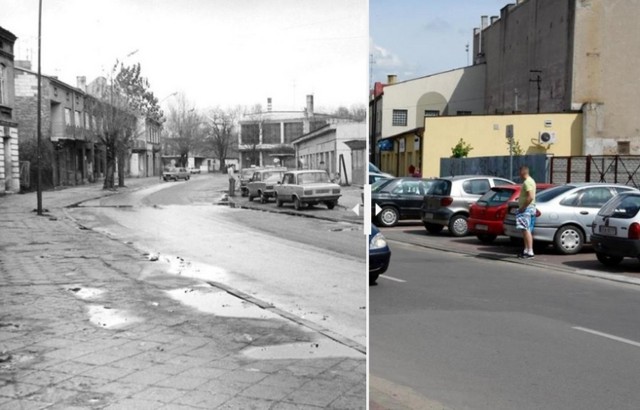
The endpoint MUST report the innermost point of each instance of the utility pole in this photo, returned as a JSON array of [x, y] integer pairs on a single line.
[[538, 81], [510, 135], [39, 115]]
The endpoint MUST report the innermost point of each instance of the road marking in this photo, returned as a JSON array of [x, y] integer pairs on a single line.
[[608, 336], [392, 278]]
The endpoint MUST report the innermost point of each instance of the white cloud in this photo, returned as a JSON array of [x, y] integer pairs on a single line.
[[384, 58]]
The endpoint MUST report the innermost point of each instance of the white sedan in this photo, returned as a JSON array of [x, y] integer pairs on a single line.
[[616, 229]]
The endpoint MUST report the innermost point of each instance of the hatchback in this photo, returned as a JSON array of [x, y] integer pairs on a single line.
[[379, 255], [448, 200], [399, 198], [566, 214], [487, 215], [616, 229]]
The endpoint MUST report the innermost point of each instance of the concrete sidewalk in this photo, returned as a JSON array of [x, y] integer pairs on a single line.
[[62, 292]]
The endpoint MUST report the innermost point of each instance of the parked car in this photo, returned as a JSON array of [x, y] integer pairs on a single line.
[[176, 174], [244, 177], [486, 216], [375, 174], [616, 229], [262, 183], [194, 170], [399, 198], [379, 254], [566, 214], [448, 200], [309, 187]]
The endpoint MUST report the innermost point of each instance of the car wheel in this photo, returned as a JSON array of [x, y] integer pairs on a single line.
[[487, 238], [373, 279], [433, 228], [263, 199], [569, 240], [278, 201], [330, 204], [251, 198], [609, 260], [187, 178], [297, 204], [389, 216], [458, 226]]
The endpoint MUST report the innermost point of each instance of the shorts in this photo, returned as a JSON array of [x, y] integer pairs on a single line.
[[526, 220]]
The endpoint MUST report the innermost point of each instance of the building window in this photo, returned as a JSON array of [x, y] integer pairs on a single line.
[[67, 117], [624, 148], [93, 123], [3, 84], [399, 118], [271, 133], [87, 123], [292, 130], [78, 119], [431, 113], [463, 113]]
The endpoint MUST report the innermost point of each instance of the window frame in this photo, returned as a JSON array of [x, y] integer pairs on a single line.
[[397, 116]]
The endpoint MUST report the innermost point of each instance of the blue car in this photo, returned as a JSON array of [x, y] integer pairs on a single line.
[[379, 255]]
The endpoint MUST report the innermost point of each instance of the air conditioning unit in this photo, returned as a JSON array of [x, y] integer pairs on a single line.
[[546, 137]]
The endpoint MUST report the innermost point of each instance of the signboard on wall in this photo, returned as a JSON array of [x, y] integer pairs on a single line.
[[401, 146], [416, 143]]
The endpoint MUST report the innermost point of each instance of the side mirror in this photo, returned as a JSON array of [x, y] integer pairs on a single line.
[[279, 183]]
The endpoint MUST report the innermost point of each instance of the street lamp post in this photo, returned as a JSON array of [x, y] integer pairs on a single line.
[[39, 115]]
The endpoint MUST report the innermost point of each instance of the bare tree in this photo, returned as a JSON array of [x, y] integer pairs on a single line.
[[357, 112], [222, 136], [185, 129], [119, 101]]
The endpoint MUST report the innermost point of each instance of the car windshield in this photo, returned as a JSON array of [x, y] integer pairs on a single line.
[[380, 184], [552, 193], [271, 174], [247, 173], [496, 196], [373, 168], [313, 178], [440, 187], [625, 206]]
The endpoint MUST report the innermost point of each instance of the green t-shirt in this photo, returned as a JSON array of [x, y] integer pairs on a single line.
[[529, 185]]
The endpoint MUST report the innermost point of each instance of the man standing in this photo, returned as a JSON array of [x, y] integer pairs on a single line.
[[526, 216]]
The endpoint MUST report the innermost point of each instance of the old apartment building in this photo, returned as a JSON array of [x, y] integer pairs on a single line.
[[9, 163]]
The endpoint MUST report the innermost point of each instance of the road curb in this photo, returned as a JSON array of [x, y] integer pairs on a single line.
[[612, 277], [234, 204]]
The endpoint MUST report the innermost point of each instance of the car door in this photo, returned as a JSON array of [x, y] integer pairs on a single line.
[[587, 204], [409, 195], [287, 186], [474, 188]]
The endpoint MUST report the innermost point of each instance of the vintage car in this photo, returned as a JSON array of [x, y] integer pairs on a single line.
[[262, 183], [244, 177], [309, 187], [175, 174]]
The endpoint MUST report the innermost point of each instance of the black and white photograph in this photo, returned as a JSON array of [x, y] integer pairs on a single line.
[[181, 204]]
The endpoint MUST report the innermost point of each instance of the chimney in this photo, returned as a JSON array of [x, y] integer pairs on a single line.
[[26, 64], [310, 105], [81, 83], [269, 105], [494, 19], [391, 79], [484, 22], [520, 2]]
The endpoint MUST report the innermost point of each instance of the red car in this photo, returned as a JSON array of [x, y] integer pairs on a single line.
[[486, 215]]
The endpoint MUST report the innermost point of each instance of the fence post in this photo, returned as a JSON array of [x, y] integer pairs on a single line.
[[588, 169], [568, 170], [615, 170]]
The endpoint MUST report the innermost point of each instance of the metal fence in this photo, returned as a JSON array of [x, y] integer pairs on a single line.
[[496, 166], [618, 169]]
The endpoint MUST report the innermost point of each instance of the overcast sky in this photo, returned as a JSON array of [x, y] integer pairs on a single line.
[[413, 38], [217, 52]]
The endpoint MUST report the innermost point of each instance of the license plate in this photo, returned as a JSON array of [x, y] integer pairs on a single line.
[[428, 216], [513, 211], [482, 227], [608, 230]]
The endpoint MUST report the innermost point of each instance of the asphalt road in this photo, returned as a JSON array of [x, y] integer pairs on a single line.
[[460, 332], [311, 268]]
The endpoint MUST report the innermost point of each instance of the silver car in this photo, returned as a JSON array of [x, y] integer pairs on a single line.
[[566, 214], [448, 199]]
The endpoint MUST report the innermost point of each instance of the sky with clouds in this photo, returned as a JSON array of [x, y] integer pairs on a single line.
[[413, 38], [217, 52]]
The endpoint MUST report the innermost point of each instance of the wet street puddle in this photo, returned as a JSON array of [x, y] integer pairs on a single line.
[[220, 303], [111, 318], [326, 348]]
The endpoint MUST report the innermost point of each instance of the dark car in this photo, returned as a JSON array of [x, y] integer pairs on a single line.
[[487, 215], [379, 254], [399, 198]]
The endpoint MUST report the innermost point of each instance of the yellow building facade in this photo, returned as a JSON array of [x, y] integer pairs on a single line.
[[487, 135]]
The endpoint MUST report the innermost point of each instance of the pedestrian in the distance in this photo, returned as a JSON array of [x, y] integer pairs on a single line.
[[526, 216], [412, 170]]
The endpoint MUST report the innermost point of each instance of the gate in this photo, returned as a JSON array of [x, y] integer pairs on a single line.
[[617, 169]]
